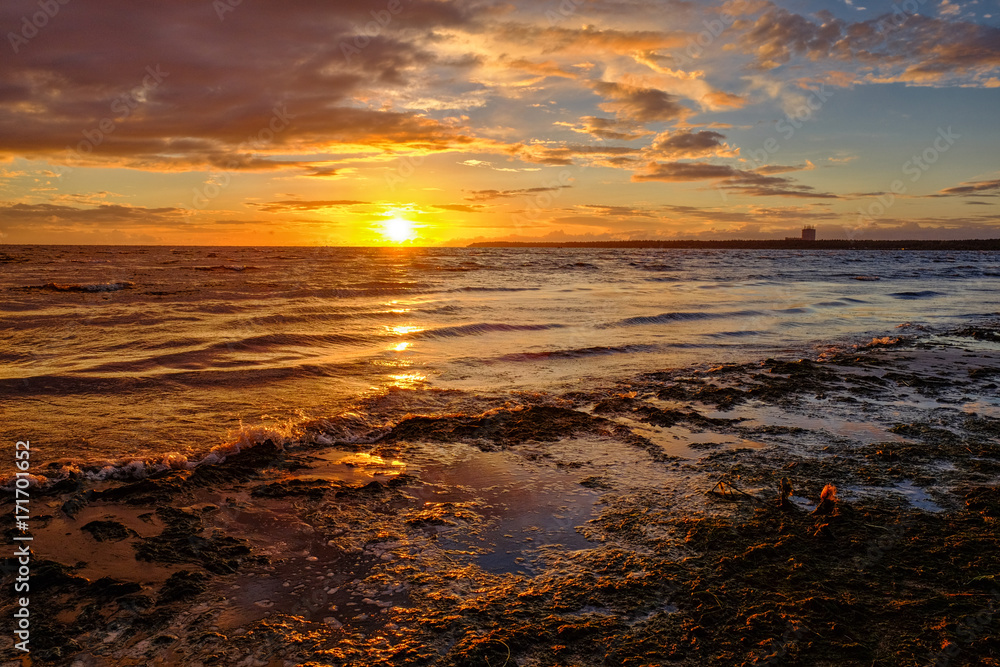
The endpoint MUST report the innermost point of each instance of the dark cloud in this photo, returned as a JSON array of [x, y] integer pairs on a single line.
[[611, 129], [322, 171], [907, 47], [561, 155], [169, 85], [684, 171], [640, 104], [690, 145], [759, 185], [104, 214], [730, 179], [972, 189]]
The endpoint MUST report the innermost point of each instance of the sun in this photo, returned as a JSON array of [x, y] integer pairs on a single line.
[[398, 229]]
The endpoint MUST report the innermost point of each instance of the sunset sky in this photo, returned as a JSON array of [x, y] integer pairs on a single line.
[[306, 122]]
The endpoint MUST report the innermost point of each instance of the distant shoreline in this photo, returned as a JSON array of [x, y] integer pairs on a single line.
[[793, 244]]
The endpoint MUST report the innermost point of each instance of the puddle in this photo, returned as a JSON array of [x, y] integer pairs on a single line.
[[527, 507], [352, 467], [914, 495], [63, 540], [685, 443]]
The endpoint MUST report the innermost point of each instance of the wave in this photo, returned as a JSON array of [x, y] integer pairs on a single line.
[[81, 287], [346, 429], [734, 334], [497, 289], [226, 267], [925, 294], [662, 318], [579, 352], [482, 328], [665, 318]]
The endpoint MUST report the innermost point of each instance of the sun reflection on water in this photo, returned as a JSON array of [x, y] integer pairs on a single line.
[[407, 380], [403, 329]]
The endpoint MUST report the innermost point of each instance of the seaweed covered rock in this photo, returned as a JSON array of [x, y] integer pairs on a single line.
[[108, 531], [504, 428], [182, 585], [181, 542]]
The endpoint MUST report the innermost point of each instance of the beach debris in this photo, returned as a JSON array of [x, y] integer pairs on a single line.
[[727, 489], [786, 491], [827, 500], [823, 531]]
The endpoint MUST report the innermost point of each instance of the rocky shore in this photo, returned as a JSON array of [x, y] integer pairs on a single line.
[[637, 525]]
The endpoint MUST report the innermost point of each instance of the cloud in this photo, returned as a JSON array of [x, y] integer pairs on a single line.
[[105, 223], [683, 171], [783, 168], [972, 189], [462, 208], [898, 47], [487, 195], [691, 145], [621, 211], [215, 95], [489, 165], [590, 39], [760, 185], [719, 99], [565, 154], [729, 179], [638, 103], [297, 205], [608, 128], [105, 213], [322, 171]]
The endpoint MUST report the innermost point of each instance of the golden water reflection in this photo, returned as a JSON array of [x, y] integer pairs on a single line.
[[407, 380], [403, 329]]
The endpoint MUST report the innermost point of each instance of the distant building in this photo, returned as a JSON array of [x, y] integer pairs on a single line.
[[808, 234]]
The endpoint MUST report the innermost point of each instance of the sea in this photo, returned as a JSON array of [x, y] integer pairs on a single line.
[[115, 357]]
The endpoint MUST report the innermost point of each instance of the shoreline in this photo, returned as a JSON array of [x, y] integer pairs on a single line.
[[567, 529]]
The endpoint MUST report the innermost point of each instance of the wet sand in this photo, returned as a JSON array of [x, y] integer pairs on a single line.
[[572, 529]]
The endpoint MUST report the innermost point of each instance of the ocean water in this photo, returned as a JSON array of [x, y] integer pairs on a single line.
[[113, 354]]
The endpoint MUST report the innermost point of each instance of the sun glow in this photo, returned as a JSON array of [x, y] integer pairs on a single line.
[[398, 229]]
